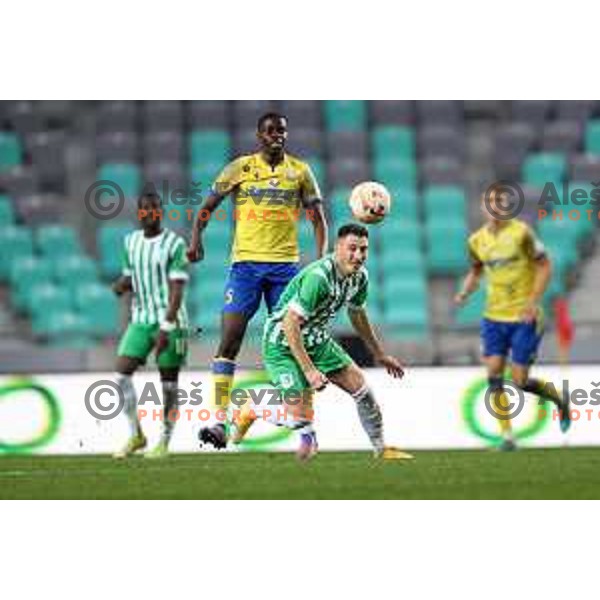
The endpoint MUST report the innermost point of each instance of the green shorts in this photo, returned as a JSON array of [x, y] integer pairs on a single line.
[[138, 342], [287, 375]]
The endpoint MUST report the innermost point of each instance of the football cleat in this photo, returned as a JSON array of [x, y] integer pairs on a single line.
[[215, 436], [394, 454], [308, 446], [565, 414], [134, 444], [161, 450], [507, 446]]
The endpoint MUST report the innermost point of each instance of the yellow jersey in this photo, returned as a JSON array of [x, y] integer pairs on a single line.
[[508, 256], [268, 204]]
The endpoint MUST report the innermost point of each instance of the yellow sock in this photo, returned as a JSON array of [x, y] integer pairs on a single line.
[[501, 407], [242, 421], [223, 372]]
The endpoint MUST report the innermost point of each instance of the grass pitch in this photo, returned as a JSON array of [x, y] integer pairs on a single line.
[[525, 474]]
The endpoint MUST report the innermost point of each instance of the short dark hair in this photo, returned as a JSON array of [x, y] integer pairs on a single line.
[[149, 195], [352, 229], [273, 116]]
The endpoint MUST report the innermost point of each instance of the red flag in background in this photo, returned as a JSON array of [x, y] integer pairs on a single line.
[[565, 330]]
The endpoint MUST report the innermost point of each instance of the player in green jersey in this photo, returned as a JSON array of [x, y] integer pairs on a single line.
[[155, 271], [300, 354]]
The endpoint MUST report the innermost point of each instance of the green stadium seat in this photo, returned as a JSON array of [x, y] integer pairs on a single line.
[[319, 171], [412, 289], [405, 205], [48, 298], [444, 203], [7, 211], [15, 242], [342, 321], [11, 151], [98, 300], [446, 244], [204, 174], [556, 287], [395, 172], [570, 232], [345, 115], [407, 321], [210, 146], [338, 205], [400, 236], [72, 271], [26, 272], [55, 241], [30, 270], [69, 329], [587, 226], [564, 256], [409, 263], [393, 142], [592, 137], [110, 246], [127, 176], [212, 286], [544, 167]]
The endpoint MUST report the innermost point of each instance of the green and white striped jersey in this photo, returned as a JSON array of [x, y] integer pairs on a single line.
[[151, 263], [317, 293]]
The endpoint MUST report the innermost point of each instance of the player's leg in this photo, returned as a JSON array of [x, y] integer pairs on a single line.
[[495, 343], [170, 362], [341, 370], [242, 299], [276, 281], [525, 343], [295, 407], [134, 347]]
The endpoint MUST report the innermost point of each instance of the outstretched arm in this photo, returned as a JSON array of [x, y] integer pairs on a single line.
[[195, 250], [320, 227], [362, 326]]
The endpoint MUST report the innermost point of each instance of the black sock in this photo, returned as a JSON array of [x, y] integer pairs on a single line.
[[544, 390]]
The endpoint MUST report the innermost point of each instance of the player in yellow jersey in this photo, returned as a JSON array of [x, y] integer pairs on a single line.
[[518, 271], [271, 192]]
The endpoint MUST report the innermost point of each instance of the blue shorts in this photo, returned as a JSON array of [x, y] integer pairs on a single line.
[[520, 339], [249, 281]]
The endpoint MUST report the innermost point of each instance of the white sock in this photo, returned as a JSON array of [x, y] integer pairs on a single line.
[[370, 416], [168, 388], [129, 397]]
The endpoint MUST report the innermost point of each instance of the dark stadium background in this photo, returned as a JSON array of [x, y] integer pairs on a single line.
[[56, 259]]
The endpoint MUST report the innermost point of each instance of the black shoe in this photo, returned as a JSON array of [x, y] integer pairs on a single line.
[[216, 436], [507, 446]]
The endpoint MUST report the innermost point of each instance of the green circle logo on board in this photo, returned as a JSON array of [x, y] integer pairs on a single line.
[[470, 398], [52, 416], [266, 442]]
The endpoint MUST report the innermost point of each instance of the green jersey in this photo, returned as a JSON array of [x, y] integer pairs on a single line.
[[151, 263], [317, 293]]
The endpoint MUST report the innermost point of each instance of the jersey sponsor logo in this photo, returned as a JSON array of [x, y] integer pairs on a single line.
[[495, 263]]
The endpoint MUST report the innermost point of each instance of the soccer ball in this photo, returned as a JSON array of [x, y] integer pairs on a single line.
[[370, 202]]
